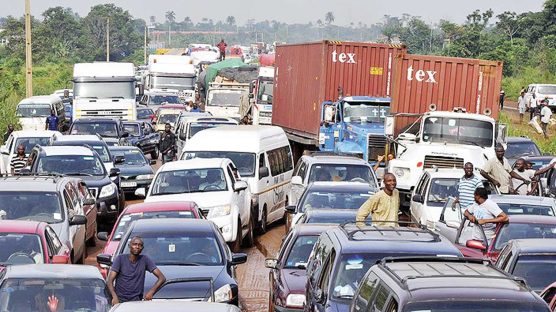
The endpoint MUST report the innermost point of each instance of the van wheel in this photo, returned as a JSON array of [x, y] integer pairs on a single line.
[[154, 154], [249, 240], [263, 227], [236, 245]]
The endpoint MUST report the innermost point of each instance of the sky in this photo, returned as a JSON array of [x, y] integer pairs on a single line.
[[290, 11]]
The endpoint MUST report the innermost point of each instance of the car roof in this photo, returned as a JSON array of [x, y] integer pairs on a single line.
[[173, 305], [195, 163], [534, 245], [160, 206], [523, 199], [172, 106], [532, 219], [21, 226], [518, 140], [41, 99], [311, 228], [67, 150], [78, 137], [336, 187], [35, 133], [95, 120], [48, 271], [123, 148], [229, 135], [333, 159], [172, 225], [29, 183], [372, 239]]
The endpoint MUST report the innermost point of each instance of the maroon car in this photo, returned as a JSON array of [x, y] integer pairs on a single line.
[[30, 242], [288, 273], [519, 227], [549, 295]]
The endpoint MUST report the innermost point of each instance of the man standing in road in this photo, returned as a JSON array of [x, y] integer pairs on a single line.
[[521, 105], [467, 186], [485, 213], [167, 144], [546, 113], [382, 206], [7, 133], [502, 97], [222, 48], [51, 122], [128, 271], [498, 171], [19, 161], [523, 188]]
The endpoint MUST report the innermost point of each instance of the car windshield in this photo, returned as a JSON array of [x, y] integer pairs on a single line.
[[33, 110], [334, 199], [300, 251], [342, 173], [78, 165], [441, 189], [547, 90], [520, 149], [178, 83], [132, 129], [189, 181], [186, 248], [144, 113], [35, 206], [196, 127], [167, 118], [20, 249], [32, 294], [245, 162], [29, 143], [526, 209], [458, 130], [474, 305], [537, 270], [104, 90], [126, 220], [511, 231], [539, 163], [365, 111], [160, 99], [132, 157], [224, 98], [103, 129]]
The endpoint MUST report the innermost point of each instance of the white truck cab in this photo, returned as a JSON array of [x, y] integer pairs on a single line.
[[172, 72]]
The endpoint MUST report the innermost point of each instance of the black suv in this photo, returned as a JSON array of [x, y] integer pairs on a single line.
[[112, 130], [85, 163], [343, 255], [443, 284]]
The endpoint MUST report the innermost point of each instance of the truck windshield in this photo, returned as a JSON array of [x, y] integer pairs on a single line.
[[224, 98], [104, 89], [159, 99], [33, 110], [265, 92], [179, 83], [456, 130], [369, 112]]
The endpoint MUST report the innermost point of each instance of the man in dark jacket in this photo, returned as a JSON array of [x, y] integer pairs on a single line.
[[167, 144]]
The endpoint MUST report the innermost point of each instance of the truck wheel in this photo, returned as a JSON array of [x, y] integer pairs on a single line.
[[249, 240], [154, 154]]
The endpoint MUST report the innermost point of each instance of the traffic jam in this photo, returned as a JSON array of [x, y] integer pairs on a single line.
[[332, 176]]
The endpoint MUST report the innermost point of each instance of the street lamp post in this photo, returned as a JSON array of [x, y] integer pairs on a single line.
[[28, 51]]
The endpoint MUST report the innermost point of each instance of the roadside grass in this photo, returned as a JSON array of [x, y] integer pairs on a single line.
[[515, 128]]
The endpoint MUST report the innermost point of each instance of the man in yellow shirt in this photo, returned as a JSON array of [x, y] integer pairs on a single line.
[[382, 206]]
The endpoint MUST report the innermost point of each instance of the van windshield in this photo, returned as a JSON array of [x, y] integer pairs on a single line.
[[33, 110], [245, 162]]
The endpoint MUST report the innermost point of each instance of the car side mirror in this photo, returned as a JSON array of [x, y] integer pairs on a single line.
[[88, 201], [125, 134], [78, 220], [152, 162], [418, 198], [240, 186], [271, 263], [319, 296], [60, 259], [141, 192], [103, 236], [296, 180], [291, 209], [104, 259], [114, 172], [251, 95], [475, 244], [263, 172], [182, 136], [238, 258], [119, 160]]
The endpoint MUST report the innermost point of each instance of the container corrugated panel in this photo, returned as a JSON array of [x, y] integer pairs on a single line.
[[308, 74], [422, 80]]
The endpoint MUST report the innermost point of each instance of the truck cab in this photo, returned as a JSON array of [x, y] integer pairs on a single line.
[[224, 99], [354, 125], [260, 94]]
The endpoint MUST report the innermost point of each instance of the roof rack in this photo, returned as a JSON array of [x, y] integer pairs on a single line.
[[53, 176], [395, 228], [324, 153]]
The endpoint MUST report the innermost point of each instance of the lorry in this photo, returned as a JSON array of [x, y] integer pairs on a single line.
[[224, 99], [333, 96], [260, 95], [172, 72], [104, 89], [460, 99]]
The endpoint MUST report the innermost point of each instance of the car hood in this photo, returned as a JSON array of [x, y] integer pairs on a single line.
[[95, 181], [62, 235], [111, 141], [131, 171], [187, 290], [32, 123], [203, 200], [295, 280], [111, 247]]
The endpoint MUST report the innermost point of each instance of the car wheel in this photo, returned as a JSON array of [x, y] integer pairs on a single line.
[[285, 216], [236, 245], [263, 227], [154, 154], [250, 237]]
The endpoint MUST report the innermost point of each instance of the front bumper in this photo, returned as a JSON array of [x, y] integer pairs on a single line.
[[129, 186]]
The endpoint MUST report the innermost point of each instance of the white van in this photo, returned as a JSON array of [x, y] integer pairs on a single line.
[[32, 112], [192, 126], [263, 157]]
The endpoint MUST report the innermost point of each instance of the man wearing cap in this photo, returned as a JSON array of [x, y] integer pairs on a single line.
[[502, 96], [546, 113]]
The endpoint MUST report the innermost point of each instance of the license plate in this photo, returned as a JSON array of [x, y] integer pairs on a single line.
[[129, 184]]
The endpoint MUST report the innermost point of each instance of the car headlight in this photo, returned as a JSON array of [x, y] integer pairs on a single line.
[[107, 190], [295, 301], [223, 294], [399, 172], [219, 211], [145, 177]]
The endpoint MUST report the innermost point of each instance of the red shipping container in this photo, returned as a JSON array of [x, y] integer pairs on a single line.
[[447, 82], [308, 74]]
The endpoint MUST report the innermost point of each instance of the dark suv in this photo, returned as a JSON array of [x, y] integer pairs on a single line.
[[344, 254], [436, 284], [112, 130], [85, 163]]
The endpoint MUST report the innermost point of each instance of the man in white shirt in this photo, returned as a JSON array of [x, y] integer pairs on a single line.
[[485, 213], [546, 113], [498, 171], [521, 105], [522, 188], [532, 104]]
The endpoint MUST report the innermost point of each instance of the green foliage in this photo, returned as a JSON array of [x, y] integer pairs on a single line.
[[523, 129]]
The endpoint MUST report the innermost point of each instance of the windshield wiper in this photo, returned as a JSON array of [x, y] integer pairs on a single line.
[[169, 193], [79, 174], [116, 97], [473, 143], [178, 263]]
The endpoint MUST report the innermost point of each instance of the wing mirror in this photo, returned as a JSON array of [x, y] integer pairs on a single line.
[[141, 192], [114, 172], [418, 198], [78, 220], [104, 259], [240, 186], [475, 244], [103, 236], [271, 263], [238, 258], [291, 209], [88, 201], [119, 160], [296, 180], [263, 172], [125, 134], [153, 162]]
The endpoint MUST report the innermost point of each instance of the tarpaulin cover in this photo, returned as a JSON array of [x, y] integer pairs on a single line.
[[212, 70], [243, 74]]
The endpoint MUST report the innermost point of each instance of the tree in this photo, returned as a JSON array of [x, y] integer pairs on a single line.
[[329, 17], [508, 24], [319, 23], [170, 17], [152, 19], [231, 20], [59, 36], [391, 27]]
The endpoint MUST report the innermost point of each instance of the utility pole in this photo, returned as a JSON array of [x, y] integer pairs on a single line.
[[169, 36], [28, 51], [108, 39], [145, 47]]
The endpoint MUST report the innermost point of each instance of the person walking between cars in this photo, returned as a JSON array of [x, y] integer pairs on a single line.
[[521, 187], [52, 122], [19, 161], [8, 132], [498, 171], [222, 48], [546, 114], [382, 206], [126, 278], [521, 105], [467, 186], [486, 213], [167, 144]]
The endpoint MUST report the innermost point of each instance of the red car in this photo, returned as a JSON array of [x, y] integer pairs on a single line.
[[30, 242], [519, 227], [549, 295], [188, 210]]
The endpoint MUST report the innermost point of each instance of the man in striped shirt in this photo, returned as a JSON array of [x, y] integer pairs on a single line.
[[19, 161], [467, 186]]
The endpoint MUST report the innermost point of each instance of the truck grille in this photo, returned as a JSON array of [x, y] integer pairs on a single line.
[[443, 162], [102, 113], [376, 145]]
